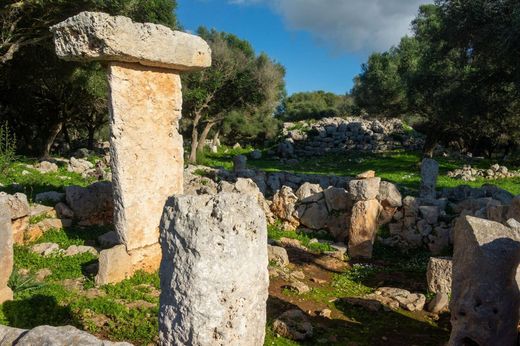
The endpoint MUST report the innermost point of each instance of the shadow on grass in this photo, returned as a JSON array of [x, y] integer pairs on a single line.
[[35, 311]]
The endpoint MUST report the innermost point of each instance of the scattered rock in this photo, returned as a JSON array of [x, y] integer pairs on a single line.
[[297, 286], [46, 167], [63, 211], [294, 325], [439, 303], [45, 249], [108, 240], [278, 255], [74, 250], [42, 274], [92, 205], [406, 300]]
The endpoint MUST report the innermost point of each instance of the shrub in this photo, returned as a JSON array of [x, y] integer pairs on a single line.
[[7, 147]]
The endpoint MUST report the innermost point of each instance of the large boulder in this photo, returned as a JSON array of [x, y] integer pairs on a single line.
[[389, 195], [214, 277], [315, 215], [429, 173], [52, 336], [98, 36], [485, 295], [92, 205], [363, 228]]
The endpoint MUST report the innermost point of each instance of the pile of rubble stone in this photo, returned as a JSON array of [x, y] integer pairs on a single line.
[[99, 170], [468, 173], [336, 135]]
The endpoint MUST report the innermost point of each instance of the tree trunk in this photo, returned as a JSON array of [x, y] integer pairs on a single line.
[[194, 138], [429, 145], [204, 135], [216, 141], [91, 133], [49, 141]]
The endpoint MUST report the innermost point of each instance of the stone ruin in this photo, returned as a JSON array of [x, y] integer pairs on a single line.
[[214, 277], [338, 135], [144, 62]]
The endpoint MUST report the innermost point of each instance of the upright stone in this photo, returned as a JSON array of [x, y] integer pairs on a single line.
[[214, 278], [239, 163], [429, 173], [6, 253], [145, 107], [363, 228], [485, 293]]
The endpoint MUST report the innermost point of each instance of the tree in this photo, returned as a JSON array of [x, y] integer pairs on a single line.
[[315, 105], [237, 81], [43, 96]]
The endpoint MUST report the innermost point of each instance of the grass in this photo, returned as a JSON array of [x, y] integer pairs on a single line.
[[274, 232], [21, 178], [399, 167]]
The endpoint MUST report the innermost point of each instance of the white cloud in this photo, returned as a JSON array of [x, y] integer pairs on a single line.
[[348, 25]]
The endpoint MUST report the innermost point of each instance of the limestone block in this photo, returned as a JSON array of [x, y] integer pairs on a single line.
[[214, 277], [363, 228], [364, 189], [98, 36], [17, 204], [389, 195], [6, 252], [485, 295], [91, 205], [146, 149], [438, 274], [115, 265]]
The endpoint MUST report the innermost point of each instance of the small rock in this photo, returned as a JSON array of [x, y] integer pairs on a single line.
[[63, 211], [256, 154], [45, 249], [319, 281], [74, 250], [108, 240], [42, 274], [298, 275], [294, 325], [325, 313], [277, 254], [297, 286], [439, 303], [366, 175]]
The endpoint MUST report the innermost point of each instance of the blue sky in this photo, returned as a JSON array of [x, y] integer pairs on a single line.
[[321, 43]]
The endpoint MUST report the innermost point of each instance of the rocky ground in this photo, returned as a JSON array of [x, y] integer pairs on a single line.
[[317, 294]]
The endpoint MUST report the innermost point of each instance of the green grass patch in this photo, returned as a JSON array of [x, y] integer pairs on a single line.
[[274, 232]]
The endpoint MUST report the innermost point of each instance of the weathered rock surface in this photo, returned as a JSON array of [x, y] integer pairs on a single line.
[[91, 205], [214, 278], [283, 207], [278, 255], [115, 265], [145, 103], [6, 253], [439, 303], [364, 189], [485, 295], [405, 299], [51, 336], [98, 36], [439, 274], [429, 173], [363, 228], [17, 204]]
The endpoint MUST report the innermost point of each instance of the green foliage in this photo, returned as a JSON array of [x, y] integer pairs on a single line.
[[315, 105], [7, 148], [458, 73], [19, 283]]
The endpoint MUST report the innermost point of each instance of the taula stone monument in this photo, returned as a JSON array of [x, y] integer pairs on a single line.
[[214, 278], [144, 62]]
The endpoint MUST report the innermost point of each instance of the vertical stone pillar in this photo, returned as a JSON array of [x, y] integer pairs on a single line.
[[6, 253], [429, 173], [144, 62], [214, 279], [485, 298]]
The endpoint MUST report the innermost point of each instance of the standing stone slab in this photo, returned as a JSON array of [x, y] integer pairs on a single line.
[[485, 295], [146, 148], [439, 274], [363, 228], [214, 278], [6, 252], [429, 173]]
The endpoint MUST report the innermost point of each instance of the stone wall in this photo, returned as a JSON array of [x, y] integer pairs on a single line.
[[336, 135]]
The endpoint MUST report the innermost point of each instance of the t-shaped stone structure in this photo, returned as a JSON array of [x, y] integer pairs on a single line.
[[144, 62]]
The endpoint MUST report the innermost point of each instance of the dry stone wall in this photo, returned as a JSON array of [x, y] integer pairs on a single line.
[[336, 135]]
